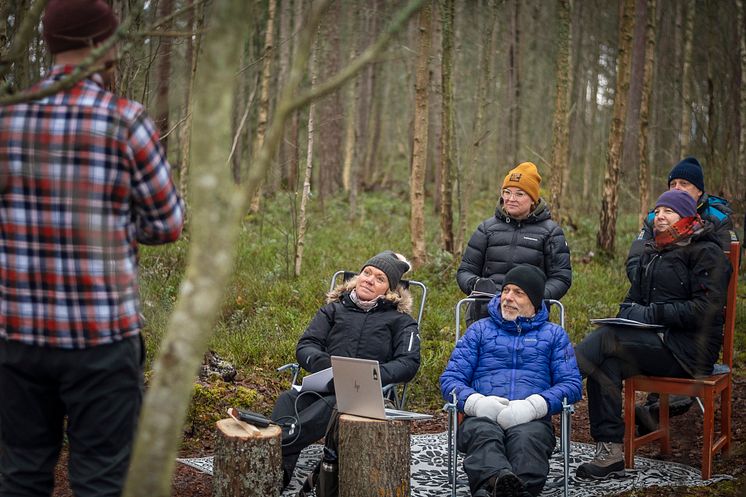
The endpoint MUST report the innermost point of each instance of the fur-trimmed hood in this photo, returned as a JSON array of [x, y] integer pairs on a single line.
[[400, 297]]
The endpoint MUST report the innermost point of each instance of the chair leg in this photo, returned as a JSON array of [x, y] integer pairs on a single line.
[[664, 425], [708, 433], [725, 416], [629, 423]]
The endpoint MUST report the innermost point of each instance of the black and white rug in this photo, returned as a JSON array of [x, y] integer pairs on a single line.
[[430, 471]]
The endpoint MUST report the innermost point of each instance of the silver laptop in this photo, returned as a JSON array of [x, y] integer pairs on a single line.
[[357, 384]]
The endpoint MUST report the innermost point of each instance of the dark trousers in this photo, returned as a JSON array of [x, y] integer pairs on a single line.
[[522, 449], [609, 355], [99, 390], [311, 413]]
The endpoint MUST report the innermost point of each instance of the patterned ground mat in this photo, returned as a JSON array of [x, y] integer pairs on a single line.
[[430, 471]]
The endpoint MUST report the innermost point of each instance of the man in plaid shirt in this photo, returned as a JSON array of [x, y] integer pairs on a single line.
[[83, 180]]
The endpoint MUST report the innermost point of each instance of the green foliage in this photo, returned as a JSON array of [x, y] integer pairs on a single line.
[[266, 309]]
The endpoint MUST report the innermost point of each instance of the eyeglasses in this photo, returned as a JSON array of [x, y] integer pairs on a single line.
[[518, 194]]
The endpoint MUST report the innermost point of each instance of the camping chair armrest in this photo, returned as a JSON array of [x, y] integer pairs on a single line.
[[294, 369]]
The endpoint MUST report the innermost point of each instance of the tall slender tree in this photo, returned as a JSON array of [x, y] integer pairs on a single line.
[[685, 132], [647, 88], [419, 145], [560, 146], [446, 154], [609, 202], [742, 104]]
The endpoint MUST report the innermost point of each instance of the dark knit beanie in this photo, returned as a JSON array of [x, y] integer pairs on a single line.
[[72, 24], [531, 280], [393, 267], [679, 201], [689, 169]]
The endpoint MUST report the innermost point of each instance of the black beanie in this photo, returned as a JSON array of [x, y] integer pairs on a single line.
[[531, 280], [388, 262], [689, 169]]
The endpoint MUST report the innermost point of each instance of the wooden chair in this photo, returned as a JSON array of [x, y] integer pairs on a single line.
[[707, 389]]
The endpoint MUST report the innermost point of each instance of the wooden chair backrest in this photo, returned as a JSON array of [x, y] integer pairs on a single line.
[[729, 328]]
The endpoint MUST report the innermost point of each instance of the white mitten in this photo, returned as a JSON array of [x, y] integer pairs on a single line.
[[484, 407], [522, 411]]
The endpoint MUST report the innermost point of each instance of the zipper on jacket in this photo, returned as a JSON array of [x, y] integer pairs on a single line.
[[515, 353]]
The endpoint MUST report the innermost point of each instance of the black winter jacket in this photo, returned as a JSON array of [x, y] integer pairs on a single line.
[[501, 242], [683, 288], [387, 333]]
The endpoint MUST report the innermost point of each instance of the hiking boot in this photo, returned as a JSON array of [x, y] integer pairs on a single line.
[[607, 463], [646, 419], [507, 485]]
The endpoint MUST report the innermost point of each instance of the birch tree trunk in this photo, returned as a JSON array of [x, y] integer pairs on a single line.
[[647, 89], [306, 195], [419, 146], [446, 154], [561, 104], [218, 206], [686, 96], [261, 124], [607, 219]]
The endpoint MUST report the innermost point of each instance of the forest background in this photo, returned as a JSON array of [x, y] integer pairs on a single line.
[[307, 136]]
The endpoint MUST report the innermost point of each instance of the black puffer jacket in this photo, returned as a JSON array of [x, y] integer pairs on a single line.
[[387, 333], [683, 288], [501, 242]]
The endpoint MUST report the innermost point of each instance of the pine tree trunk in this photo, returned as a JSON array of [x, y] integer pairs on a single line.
[[686, 95], [286, 36], [741, 188], [374, 457], [419, 149], [165, 8], [446, 154], [246, 464], [609, 202], [561, 104], [647, 89]]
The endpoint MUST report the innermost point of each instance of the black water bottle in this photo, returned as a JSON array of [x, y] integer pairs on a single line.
[[328, 485]]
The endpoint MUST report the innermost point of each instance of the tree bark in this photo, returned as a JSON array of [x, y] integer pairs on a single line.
[[419, 147], [163, 79], [374, 457], [607, 219], [742, 105], [446, 154], [263, 114], [686, 96], [647, 89], [306, 195], [246, 464], [560, 147]]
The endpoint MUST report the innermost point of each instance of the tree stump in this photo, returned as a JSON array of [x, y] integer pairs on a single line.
[[373, 457], [248, 460]]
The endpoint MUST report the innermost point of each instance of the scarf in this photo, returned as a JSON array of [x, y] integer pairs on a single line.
[[678, 233], [365, 305]]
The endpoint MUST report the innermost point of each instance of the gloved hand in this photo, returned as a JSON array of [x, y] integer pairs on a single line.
[[484, 407], [522, 411], [641, 313]]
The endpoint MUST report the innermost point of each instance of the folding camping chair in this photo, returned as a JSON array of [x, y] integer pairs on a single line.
[[397, 394], [453, 414]]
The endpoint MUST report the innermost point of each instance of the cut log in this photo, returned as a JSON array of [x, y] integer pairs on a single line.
[[248, 460], [373, 457]]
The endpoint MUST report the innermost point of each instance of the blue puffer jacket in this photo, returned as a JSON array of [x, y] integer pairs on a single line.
[[513, 359]]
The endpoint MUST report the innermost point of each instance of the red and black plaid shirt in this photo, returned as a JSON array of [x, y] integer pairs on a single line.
[[83, 179]]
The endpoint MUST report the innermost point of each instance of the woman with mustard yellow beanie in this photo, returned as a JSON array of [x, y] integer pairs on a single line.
[[521, 232]]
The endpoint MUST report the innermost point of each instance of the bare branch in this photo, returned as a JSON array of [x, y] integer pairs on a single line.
[[22, 38]]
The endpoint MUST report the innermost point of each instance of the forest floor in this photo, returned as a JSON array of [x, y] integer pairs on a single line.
[[686, 448]]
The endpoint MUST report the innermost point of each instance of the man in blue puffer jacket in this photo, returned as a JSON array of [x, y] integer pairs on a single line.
[[510, 373]]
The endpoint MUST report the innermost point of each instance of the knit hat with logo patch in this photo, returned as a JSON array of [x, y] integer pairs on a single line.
[[526, 177]]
